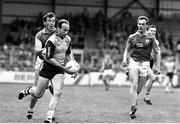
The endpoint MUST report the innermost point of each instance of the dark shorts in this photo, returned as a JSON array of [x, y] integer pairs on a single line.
[[170, 74], [49, 71], [151, 63]]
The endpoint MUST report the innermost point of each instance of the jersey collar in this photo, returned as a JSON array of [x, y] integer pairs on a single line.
[[46, 31], [145, 34]]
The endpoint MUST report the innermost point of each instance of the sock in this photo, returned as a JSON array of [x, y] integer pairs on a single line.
[[32, 91], [30, 109], [147, 97]]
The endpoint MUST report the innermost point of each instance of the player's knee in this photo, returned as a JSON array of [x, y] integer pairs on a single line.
[[138, 92], [134, 87], [57, 93], [39, 94]]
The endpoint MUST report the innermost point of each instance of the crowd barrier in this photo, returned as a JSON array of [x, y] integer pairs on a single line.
[[85, 79]]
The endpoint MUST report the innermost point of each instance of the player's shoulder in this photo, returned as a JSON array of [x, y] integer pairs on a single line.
[[52, 38], [132, 35], [156, 41], [151, 37], [39, 33]]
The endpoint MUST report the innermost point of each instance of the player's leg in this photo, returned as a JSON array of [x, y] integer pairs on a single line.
[[171, 81], [141, 82], [167, 87], [58, 83], [50, 87], [152, 77], [133, 75], [33, 99], [35, 91], [105, 81]]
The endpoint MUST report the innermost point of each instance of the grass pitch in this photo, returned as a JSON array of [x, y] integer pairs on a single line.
[[83, 104]]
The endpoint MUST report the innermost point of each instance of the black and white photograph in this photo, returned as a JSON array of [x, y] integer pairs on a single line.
[[90, 61]]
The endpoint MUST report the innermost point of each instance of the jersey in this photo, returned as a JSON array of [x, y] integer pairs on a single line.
[[108, 64], [43, 36], [141, 46], [60, 48], [170, 66], [40, 41]]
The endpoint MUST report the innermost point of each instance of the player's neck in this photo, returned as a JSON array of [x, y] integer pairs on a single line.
[[142, 33], [48, 31]]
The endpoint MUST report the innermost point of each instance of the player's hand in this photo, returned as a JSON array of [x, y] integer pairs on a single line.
[[124, 64], [66, 69], [157, 69], [75, 75]]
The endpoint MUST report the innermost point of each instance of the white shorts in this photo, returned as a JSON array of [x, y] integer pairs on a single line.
[[38, 63], [108, 72], [142, 67]]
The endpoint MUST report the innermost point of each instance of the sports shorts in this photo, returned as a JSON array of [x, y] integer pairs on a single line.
[[49, 71], [170, 74], [108, 72], [143, 67]]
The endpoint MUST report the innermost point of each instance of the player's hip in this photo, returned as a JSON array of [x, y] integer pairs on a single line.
[[143, 68], [49, 71]]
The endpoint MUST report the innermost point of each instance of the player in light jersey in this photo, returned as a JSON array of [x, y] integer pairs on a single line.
[[40, 41], [152, 32], [58, 48], [107, 72], [137, 57], [170, 69]]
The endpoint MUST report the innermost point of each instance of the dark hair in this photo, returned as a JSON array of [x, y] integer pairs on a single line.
[[49, 15], [143, 17], [151, 26], [61, 21]]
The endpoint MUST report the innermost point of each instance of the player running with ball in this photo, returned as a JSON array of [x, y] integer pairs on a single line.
[[58, 48]]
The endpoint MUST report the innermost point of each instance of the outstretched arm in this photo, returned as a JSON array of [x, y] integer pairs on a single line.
[[157, 54], [126, 53]]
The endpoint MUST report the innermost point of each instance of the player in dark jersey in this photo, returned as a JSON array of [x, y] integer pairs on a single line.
[[58, 48], [137, 56], [40, 41], [107, 71], [151, 32]]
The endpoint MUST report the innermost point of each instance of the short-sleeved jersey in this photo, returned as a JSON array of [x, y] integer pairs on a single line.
[[141, 46], [170, 66], [108, 64], [42, 35], [62, 47]]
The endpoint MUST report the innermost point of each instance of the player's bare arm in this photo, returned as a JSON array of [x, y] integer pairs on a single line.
[[126, 53], [38, 46], [103, 66], [157, 52], [69, 53]]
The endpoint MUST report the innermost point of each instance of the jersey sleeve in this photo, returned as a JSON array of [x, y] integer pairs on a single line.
[[155, 45], [38, 43], [70, 45], [128, 44], [50, 49]]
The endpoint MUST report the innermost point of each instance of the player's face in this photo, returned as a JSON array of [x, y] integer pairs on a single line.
[[142, 26], [50, 23], [64, 29], [152, 31]]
